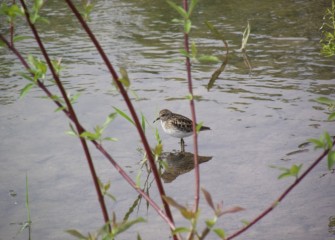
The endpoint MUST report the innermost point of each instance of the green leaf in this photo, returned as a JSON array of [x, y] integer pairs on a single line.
[[124, 77], [316, 142], [187, 26], [111, 139], [181, 230], [88, 7], [20, 38], [214, 30], [208, 58], [211, 222], [132, 208], [138, 179], [331, 116], [245, 222], [158, 137], [192, 6], [90, 136], [331, 160], [124, 226], [189, 97], [158, 149], [178, 9], [38, 67], [231, 210], [294, 171], [220, 232], [76, 234], [26, 89], [124, 115], [38, 4], [56, 63], [283, 175], [173, 203], [208, 198], [143, 120], [198, 126], [184, 53], [325, 100], [72, 131], [328, 140], [109, 119], [188, 214]]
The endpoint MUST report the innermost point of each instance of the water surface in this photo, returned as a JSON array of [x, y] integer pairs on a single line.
[[257, 119]]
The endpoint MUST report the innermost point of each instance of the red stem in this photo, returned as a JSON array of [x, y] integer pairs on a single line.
[[195, 135], [281, 197], [71, 112], [11, 29], [129, 105]]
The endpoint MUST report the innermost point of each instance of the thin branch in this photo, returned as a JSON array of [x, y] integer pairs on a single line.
[[195, 135], [281, 197], [71, 112], [129, 105]]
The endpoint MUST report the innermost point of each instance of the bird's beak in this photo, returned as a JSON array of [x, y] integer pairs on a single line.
[[157, 119]]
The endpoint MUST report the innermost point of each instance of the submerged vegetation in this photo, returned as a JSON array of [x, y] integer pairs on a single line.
[[36, 70]]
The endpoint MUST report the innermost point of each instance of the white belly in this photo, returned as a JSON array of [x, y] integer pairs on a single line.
[[174, 132]]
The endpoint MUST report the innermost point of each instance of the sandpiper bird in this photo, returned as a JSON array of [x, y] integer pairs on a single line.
[[177, 125]]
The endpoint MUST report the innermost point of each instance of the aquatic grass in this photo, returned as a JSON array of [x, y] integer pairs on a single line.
[[243, 48], [217, 72], [28, 223]]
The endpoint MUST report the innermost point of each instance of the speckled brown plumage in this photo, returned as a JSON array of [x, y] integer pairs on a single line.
[[177, 125]]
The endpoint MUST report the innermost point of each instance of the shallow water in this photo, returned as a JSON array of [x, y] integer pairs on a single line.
[[257, 119]]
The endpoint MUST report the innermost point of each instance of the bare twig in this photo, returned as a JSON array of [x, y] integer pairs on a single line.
[[195, 135]]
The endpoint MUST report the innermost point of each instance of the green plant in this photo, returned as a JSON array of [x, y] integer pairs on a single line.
[[28, 223], [289, 172], [325, 142], [328, 32], [36, 73], [104, 232], [331, 106]]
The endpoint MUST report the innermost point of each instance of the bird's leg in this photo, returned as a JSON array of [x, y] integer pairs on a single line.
[[182, 145]]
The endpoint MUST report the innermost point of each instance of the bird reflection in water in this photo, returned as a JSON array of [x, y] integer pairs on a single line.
[[178, 163]]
